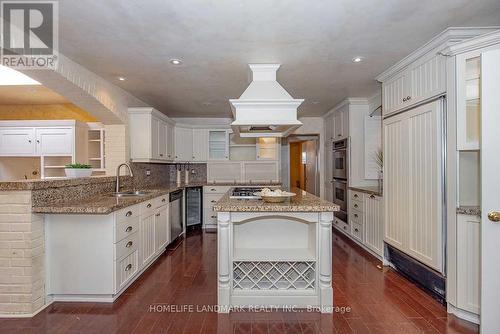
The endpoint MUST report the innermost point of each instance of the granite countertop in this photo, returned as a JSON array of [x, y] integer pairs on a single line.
[[469, 210], [371, 190], [106, 203], [302, 202], [36, 184]]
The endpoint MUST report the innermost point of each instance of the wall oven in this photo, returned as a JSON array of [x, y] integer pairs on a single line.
[[340, 198], [340, 163]]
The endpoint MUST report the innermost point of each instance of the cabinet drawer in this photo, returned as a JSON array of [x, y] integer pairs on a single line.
[[127, 213], [126, 246], [357, 206], [357, 231], [210, 199], [125, 269], [341, 226], [210, 217], [356, 217], [126, 228], [357, 196], [162, 200], [216, 189], [148, 205]]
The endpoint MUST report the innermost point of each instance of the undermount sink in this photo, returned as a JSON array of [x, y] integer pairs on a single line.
[[136, 193]]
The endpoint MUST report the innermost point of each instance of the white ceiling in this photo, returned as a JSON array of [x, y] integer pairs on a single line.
[[216, 39]]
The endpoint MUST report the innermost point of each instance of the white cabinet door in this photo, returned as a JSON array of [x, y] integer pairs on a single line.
[[413, 184], [267, 149], [183, 144], [374, 224], [161, 228], [395, 181], [200, 145], [162, 141], [218, 145], [148, 238], [394, 93], [338, 124], [155, 138], [170, 134], [17, 141], [426, 79], [329, 125], [468, 262], [54, 141]]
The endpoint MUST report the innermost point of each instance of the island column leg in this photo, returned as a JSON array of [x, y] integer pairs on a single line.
[[223, 261], [325, 262]]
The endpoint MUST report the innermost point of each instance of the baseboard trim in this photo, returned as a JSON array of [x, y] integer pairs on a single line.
[[463, 314], [25, 315]]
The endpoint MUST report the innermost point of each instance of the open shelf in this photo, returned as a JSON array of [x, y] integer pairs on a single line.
[[271, 254]]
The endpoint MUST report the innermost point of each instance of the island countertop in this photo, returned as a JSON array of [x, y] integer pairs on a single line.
[[302, 202]]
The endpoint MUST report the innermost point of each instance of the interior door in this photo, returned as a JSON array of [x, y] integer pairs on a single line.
[[490, 185]]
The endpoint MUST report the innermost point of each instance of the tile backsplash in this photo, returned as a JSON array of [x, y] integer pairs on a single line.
[[161, 174]]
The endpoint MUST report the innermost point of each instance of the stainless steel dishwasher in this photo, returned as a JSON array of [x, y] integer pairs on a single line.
[[175, 214]]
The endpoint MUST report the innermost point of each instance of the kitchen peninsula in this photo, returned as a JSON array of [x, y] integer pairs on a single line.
[[275, 254]]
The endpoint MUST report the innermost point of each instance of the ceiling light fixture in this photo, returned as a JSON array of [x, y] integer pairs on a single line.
[[175, 61], [11, 77], [357, 59], [122, 78]]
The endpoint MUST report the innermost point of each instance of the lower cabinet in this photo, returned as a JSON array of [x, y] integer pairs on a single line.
[[211, 194], [468, 263], [112, 250], [365, 222]]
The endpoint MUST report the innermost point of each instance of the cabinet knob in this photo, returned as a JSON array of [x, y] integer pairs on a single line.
[[213, 201], [163, 199], [356, 195], [408, 98], [37, 141], [161, 154], [339, 135], [494, 216], [355, 205], [356, 215], [129, 244], [29, 141], [193, 157], [372, 196], [129, 229], [356, 230], [157, 215], [149, 205], [214, 216], [128, 214], [128, 267], [404, 100]]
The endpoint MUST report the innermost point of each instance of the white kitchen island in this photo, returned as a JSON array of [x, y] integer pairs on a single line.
[[275, 255]]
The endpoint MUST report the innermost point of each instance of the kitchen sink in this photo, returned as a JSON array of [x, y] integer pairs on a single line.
[[137, 193]]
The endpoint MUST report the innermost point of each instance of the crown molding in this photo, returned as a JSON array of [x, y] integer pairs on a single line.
[[355, 101], [445, 39], [475, 43], [152, 111]]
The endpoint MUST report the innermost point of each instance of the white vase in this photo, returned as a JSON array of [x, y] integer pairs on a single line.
[[78, 172]]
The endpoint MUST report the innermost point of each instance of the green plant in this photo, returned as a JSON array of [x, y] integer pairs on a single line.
[[379, 158], [78, 166]]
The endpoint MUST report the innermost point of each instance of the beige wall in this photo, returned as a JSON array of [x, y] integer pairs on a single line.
[[44, 111]]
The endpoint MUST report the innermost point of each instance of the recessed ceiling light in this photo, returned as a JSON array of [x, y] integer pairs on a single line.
[[357, 59], [206, 104], [175, 61], [121, 78], [315, 102]]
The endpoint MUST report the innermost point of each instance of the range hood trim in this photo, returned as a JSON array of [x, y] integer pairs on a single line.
[[250, 110]]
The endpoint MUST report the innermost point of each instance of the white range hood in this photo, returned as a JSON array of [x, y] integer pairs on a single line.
[[265, 109]]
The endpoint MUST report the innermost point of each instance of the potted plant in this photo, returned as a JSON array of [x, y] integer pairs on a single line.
[[78, 170]]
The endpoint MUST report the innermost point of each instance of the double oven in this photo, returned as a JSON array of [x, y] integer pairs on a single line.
[[340, 175]]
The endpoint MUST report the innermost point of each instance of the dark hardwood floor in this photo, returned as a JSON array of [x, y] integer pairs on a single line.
[[381, 301]]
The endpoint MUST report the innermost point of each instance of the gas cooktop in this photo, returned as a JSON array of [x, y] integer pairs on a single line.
[[245, 192]]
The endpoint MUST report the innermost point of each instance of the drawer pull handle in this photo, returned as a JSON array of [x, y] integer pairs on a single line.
[[128, 267], [214, 216], [129, 229], [355, 205], [356, 195], [212, 189], [149, 205], [129, 244], [163, 199], [213, 201], [356, 230], [356, 215], [128, 214], [372, 196], [157, 215]]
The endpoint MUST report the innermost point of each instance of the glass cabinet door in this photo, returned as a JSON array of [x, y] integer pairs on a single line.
[[468, 102], [218, 143]]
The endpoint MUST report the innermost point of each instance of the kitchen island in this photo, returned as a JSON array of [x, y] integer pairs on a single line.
[[275, 254]]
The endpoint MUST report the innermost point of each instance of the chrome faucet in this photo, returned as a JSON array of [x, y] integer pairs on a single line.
[[117, 190]]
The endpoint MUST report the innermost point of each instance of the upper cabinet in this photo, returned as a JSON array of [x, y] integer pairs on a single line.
[[421, 81], [267, 149], [183, 143], [340, 124], [17, 141], [151, 134], [218, 145], [468, 76], [200, 144]]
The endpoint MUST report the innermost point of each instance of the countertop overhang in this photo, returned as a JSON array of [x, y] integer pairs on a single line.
[[302, 202]]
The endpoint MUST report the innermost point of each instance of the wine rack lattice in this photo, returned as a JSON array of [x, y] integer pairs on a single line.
[[273, 275]]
